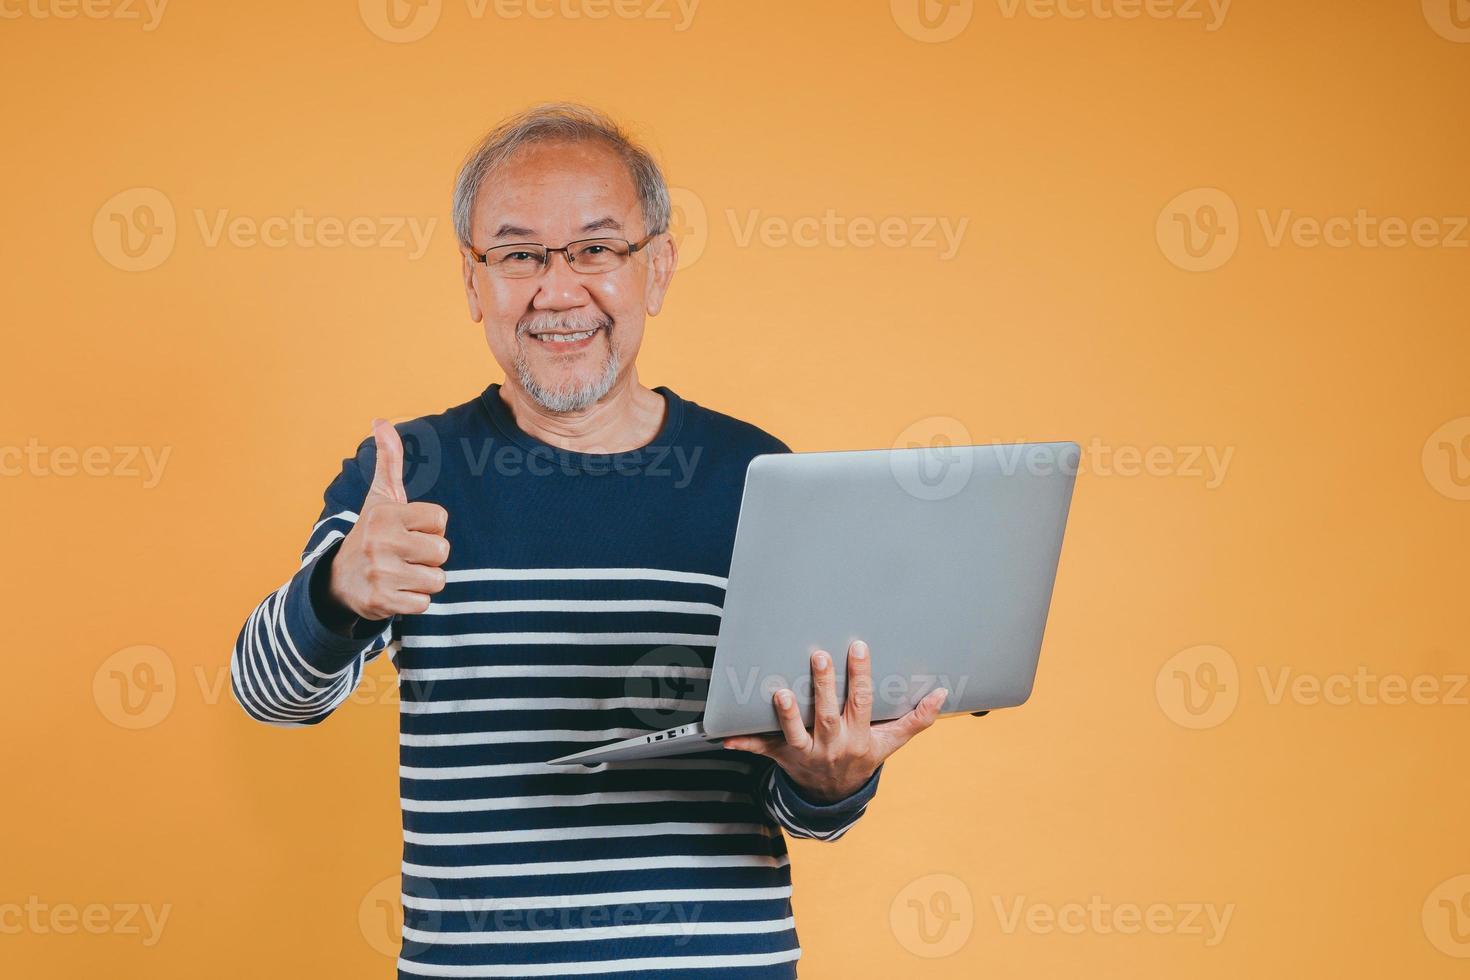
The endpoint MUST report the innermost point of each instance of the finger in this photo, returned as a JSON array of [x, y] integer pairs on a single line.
[[826, 716], [388, 475], [759, 744], [397, 602], [419, 548], [792, 730], [894, 735], [424, 579], [426, 517], [408, 603], [859, 707]]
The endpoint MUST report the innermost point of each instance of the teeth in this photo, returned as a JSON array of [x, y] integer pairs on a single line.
[[565, 338]]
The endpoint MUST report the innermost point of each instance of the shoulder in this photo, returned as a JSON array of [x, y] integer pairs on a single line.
[[431, 429], [426, 443], [727, 430]]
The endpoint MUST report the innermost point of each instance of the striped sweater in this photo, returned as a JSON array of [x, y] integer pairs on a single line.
[[582, 603]]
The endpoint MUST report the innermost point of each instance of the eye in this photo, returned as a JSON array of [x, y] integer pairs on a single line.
[[519, 256]]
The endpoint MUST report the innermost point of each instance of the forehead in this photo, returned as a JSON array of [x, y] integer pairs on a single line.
[[556, 189]]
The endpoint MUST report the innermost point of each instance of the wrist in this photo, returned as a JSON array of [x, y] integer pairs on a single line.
[[827, 792], [333, 612]]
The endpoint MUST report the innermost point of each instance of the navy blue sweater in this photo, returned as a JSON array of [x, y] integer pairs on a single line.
[[582, 603]]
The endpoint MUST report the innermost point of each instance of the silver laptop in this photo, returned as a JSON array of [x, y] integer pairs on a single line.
[[942, 558]]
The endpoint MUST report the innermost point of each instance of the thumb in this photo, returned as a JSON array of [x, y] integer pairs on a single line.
[[388, 477], [894, 735]]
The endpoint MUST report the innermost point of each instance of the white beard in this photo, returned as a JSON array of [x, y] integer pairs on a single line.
[[574, 398]]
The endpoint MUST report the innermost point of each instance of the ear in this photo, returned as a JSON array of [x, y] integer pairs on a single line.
[[471, 287], [663, 258]]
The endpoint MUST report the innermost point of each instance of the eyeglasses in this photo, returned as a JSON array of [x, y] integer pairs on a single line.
[[589, 256]]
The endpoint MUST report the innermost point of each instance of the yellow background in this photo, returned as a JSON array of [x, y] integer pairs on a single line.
[[1335, 834]]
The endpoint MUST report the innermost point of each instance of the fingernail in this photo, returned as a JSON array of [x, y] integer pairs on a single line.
[[820, 661], [783, 699], [860, 649], [943, 694]]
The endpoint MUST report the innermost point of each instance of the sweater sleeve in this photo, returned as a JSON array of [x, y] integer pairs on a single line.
[[801, 817], [288, 667]]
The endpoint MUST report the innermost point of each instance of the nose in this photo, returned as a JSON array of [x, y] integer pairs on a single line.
[[558, 287]]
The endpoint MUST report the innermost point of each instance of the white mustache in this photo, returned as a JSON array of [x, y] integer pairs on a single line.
[[544, 323]]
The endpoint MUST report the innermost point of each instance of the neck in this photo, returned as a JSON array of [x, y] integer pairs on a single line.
[[627, 417]]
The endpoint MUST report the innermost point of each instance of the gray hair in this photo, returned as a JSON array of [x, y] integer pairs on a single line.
[[559, 121]]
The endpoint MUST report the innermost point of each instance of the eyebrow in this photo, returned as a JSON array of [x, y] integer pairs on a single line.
[[510, 230]]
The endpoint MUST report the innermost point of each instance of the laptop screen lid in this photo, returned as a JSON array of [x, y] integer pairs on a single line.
[[942, 559]]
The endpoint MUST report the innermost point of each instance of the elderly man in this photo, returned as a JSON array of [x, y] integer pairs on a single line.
[[554, 540]]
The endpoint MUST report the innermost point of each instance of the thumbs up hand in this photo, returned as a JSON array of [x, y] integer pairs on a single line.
[[389, 563]]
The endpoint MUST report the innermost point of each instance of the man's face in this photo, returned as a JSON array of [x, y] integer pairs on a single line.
[[552, 194]]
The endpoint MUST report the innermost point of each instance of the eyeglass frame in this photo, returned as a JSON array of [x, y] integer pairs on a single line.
[[483, 257]]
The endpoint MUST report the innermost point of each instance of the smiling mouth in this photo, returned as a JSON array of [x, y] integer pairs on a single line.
[[562, 338], [565, 340]]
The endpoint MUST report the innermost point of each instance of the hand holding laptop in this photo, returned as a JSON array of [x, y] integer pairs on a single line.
[[944, 557], [844, 748]]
